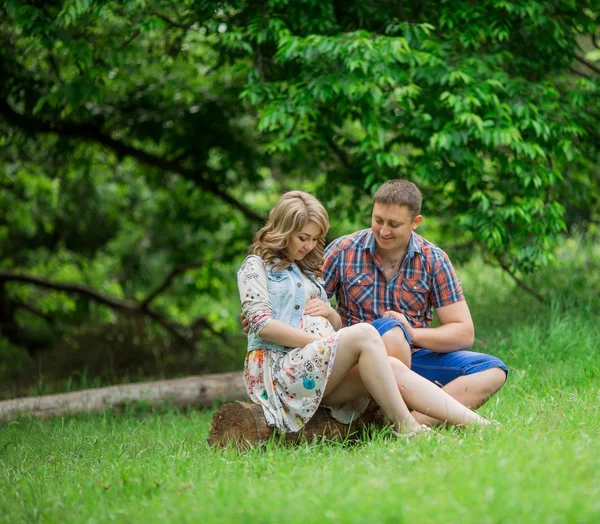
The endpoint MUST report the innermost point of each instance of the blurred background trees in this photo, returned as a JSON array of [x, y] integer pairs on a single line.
[[142, 144]]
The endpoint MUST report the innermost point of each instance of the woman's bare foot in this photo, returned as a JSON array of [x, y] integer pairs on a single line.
[[421, 430]]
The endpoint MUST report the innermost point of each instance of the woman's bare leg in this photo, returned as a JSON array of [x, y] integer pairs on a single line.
[[361, 346], [425, 397], [416, 393]]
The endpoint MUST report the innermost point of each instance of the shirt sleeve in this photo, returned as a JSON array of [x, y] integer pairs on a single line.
[[254, 293], [446, 288], [330, 269]]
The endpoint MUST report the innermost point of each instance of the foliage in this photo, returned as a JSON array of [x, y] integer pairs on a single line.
[[139, 136], [477, 103]]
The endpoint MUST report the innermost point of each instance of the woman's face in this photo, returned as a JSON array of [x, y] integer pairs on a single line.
[[303, 242]]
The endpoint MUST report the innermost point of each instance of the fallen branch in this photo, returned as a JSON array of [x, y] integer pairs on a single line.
[[190, 392]]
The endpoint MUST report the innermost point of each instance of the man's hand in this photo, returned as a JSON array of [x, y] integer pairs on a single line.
[[400, 318], [245, 323], [318, 308]]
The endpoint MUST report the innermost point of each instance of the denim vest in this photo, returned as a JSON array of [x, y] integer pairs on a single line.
[[286, 294]]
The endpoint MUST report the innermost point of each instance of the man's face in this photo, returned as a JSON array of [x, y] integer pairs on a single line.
[[392, 226]]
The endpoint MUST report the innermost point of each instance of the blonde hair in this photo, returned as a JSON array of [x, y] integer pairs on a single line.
[[400, 192], [292, 212]]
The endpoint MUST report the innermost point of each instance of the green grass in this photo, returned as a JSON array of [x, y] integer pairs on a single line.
[[155, 466]]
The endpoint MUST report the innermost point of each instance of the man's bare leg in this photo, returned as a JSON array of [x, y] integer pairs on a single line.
[[397, 346], [471, 390]]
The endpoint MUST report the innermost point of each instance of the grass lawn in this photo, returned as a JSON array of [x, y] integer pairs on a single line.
[[543, 465]]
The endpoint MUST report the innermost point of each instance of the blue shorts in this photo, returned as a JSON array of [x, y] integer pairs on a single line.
[[441, 368], [383, 325]]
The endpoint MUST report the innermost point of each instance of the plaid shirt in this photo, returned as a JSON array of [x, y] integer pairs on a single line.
[[353, 272]]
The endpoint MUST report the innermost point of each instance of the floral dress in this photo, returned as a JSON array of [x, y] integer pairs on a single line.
[[290, 385]]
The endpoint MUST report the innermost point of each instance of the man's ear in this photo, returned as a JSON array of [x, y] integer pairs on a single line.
[[416, 221]]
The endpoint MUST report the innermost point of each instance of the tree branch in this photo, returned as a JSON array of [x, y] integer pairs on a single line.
[[126, 307], [587, 64], [130, 39], [579, 73], [181, 268], [171, 22], [592, 133], [519, 282], [34, 125], [34, 311], [337, 150]]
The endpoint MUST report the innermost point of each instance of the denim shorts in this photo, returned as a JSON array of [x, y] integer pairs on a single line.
[[441, 368], [383, 325]]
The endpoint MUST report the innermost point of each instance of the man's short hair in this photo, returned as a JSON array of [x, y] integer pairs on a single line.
[[400, 192]]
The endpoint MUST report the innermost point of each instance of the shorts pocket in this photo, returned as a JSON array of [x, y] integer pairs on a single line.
[[414, 294], [359, 287]]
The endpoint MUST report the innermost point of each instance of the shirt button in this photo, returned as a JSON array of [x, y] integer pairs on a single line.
[[358, 281], [299, 284], [296, 307], [414, 287], [290, 268]]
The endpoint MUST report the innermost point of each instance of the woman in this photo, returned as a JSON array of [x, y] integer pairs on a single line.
[[296, 359]]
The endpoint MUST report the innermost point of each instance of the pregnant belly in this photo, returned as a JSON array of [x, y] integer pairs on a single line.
[[317, 325]]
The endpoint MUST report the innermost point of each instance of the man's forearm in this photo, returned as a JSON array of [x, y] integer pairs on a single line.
[[444, 339]]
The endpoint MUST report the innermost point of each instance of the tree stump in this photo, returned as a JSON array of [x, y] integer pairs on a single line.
[[243, 424]]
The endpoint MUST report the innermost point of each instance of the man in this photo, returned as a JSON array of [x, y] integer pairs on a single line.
[[389, 272]]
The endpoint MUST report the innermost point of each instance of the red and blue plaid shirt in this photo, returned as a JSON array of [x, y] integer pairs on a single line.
[[353, 272]]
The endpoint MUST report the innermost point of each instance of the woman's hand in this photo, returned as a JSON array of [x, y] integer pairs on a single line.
[[319, 308]]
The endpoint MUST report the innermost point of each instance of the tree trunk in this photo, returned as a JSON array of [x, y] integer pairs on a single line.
[[202, 391], [243, 424]]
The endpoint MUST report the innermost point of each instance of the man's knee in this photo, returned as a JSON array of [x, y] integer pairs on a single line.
[[496, 378], [487, 382], [397, 346]]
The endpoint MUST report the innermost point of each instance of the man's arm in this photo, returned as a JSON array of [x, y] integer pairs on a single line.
[[456, 330], [330, 269]]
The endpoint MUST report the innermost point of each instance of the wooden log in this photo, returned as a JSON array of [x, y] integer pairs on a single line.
[[243, 424], [195, 391]]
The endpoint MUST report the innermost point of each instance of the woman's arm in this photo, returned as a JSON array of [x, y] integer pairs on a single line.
[[256, 307], [285, 335]]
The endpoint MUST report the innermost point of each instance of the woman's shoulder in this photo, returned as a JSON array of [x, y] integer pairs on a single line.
[[252, 262]]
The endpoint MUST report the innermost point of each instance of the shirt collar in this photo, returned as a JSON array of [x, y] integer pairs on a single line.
[[369, 242], [414, 244]]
